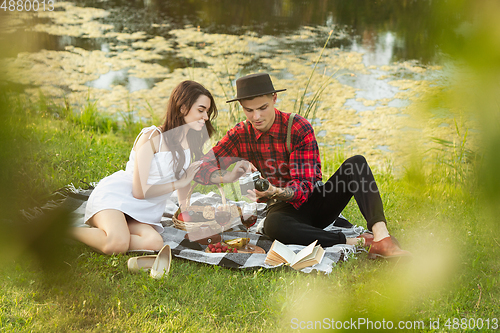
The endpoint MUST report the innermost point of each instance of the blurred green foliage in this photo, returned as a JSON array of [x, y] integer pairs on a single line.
[[455, 272], [477, 88]]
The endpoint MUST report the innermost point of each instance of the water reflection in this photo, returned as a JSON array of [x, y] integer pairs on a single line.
[[377, 49], [384, 148], [387, 31], [137, 55], [370, 87], [398, 103], [36, 41], [121, 77], [321, 134]]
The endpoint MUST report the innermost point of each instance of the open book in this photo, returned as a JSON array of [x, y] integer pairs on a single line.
[[280, 253]]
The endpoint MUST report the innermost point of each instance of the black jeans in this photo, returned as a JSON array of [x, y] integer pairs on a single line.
[[305, 225]]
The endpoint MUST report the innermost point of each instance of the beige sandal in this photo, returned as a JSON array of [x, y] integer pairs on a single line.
[[135, 264], [161, 265], [158, 265]]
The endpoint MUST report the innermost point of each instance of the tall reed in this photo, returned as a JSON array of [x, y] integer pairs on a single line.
[[459, 160]]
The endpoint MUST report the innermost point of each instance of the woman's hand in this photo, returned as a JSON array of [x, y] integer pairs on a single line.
[[189, 174]]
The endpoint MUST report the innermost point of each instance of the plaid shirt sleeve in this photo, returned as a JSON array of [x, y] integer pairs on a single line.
[[302, 167], [305, 163], [221, 156]]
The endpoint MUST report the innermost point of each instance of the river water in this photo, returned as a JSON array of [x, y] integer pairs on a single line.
[[378, 61]]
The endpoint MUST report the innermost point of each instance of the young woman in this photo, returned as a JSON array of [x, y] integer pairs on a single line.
[[125, 209]]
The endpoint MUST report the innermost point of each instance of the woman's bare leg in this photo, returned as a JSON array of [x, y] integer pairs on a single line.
[[110, 235], [144, 237]]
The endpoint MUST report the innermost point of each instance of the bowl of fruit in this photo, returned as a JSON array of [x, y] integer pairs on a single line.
[[236, 245], [220, 247]]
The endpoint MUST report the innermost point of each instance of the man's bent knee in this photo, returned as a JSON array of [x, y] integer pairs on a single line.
[[356, 159], [273, 227]]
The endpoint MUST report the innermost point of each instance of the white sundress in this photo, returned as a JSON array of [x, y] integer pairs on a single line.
[[115, 191]]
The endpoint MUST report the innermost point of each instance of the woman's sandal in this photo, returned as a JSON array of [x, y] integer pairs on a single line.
[[135, 264], [161, 266], [158, 265]]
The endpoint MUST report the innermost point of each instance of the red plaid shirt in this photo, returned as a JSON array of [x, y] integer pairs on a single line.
[[298, 171]]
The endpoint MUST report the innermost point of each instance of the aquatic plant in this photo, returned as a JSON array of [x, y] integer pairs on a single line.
[[458, 159], [312, 88], [301, 102], [155, 119], [90, 118], [234, 108], [131, 125]]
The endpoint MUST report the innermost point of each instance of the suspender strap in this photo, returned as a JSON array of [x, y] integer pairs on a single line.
[[289, 134]]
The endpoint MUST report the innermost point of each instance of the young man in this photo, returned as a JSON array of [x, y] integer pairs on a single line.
[[299, 205]]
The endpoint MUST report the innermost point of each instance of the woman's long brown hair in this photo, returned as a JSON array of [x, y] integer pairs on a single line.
[[180, 102]]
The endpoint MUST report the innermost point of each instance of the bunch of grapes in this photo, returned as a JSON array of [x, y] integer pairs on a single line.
[[220, 248]]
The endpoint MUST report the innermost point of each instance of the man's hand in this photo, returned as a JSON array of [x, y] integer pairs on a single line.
[[224, 176], [255, 195], [278, 193]]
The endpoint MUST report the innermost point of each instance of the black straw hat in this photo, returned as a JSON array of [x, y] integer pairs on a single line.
[[254, 85]]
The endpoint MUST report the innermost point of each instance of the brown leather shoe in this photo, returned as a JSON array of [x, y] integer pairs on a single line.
[[368, 239], [386, 248]]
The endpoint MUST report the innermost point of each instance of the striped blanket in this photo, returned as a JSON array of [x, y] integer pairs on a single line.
[[74, 200]]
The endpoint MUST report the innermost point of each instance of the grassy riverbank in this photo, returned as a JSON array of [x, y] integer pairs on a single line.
[[454, 273]]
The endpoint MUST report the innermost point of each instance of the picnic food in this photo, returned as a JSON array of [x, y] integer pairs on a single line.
[[221, 248], [238, 243], [209, 212], [184, 216], [192, 215]]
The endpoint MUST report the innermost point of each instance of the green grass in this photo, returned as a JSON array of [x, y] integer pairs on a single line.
[[454, 272], [50, 151]]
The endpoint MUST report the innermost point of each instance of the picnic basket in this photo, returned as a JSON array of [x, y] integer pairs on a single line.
[[208, 213]]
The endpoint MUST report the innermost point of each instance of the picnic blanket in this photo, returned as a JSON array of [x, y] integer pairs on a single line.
[[74, 200]]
